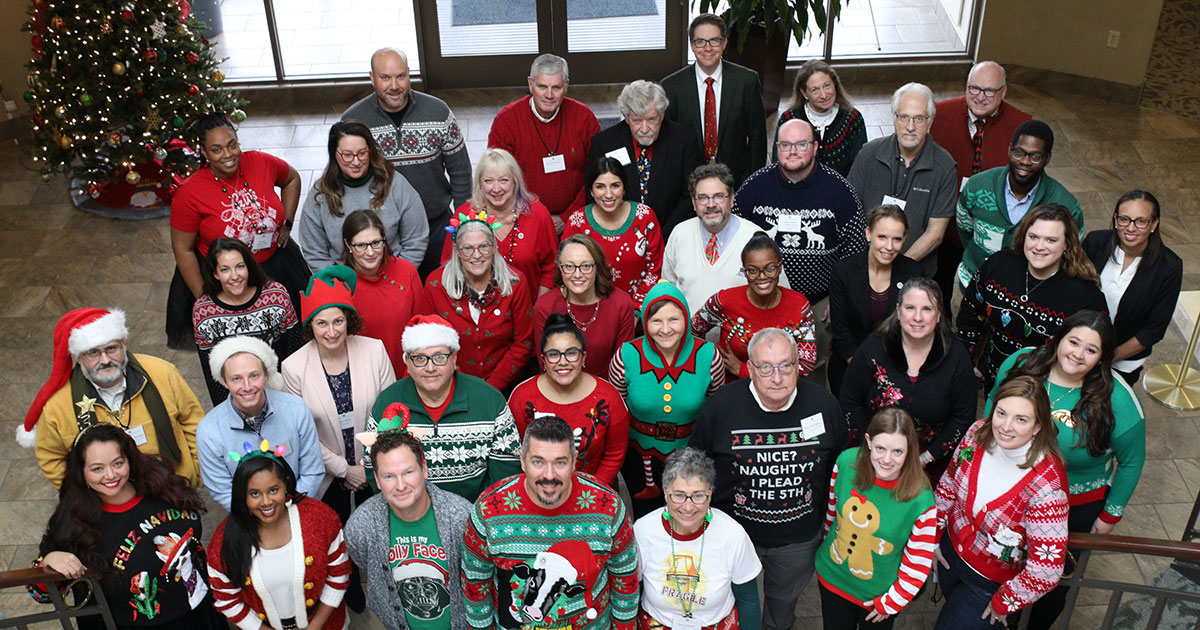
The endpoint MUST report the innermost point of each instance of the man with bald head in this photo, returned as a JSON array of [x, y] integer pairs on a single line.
[[419, 135], [976, 128], [811, 212]]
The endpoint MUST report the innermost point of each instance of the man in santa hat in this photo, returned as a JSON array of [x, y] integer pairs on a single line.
[[469, 436], [93, 380], [550, 548]]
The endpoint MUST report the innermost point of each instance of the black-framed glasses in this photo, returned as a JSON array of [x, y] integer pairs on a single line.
[[711, 42], [421, 360], [1140, 223], [799, 147], [975, 90], [570, 354], [784, 369], [697, 498], [363, 247], [112, 350], [1017, 153], [570, 268], [769, 271], [920, 119]]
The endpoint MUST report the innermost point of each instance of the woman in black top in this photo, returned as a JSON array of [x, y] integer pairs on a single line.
[[1142, 305], [863, 289]]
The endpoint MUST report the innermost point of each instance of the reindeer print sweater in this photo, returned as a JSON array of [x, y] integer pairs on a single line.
[[816, 221], [634, 250]]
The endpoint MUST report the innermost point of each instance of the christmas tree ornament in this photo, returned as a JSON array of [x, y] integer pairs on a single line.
[[60, 111], [177, 122], [66, 143], [193, 90], [182, 30], [118, 69], [151, 55], [153, 120], [114, 138], [192, 58], [105, 27], [218, 76], [57, 22], [28, 96], [160, 154], [158, 29], [127, 15], [133, 177], [86, 99], [46, 178], [94, 191], [33, 81], [37, 43], [239, 116]]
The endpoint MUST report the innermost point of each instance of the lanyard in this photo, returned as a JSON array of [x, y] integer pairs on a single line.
[[538, 130]]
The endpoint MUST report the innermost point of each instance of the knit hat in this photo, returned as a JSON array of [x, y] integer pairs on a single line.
[[332, 286], [427, 331], [76, 332], [664, 290], [236, 345], [571, 561]]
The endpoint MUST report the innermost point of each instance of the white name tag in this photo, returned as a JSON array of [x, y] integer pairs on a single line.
[[263, 241], [346, 420], [812, 426], [138, 434], [554, 164], [685, 623], [893, 200], [621, 155], [788, 223]]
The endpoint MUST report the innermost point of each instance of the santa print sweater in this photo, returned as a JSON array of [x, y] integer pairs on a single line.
[[508, 528], [738, 318], [634, 251], [993, 305], [897, 538], [1033, 514]]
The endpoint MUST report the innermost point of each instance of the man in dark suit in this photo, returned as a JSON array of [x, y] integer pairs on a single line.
[[720, 101], [657, 154]]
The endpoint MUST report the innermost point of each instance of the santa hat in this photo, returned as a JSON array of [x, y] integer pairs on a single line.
[[572, 561], [76, 332], [427, 331], [332, 286], [236, 345], [420, 568]]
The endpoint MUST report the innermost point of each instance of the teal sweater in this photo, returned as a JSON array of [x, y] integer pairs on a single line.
[[983, 221], [1088, 476]]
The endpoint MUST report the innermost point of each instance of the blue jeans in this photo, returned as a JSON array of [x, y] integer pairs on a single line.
[[967, 593]]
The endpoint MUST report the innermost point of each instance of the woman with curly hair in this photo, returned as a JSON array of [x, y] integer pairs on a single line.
[[112, 491]]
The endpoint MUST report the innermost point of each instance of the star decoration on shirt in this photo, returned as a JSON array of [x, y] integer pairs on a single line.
[[86, 405]]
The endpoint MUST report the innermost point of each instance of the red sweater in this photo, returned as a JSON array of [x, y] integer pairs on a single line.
[[317, 533], [600, 422], [387, 303], [634, 251], [496, 347], [613, 325], [731, 311], [530, 247], [529, 140]]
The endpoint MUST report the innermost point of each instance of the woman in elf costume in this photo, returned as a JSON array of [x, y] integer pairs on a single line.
[[880, 527], [664, 377], [113, 494]]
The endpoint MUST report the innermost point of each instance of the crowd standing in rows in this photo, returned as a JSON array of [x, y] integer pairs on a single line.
[[444, 387]]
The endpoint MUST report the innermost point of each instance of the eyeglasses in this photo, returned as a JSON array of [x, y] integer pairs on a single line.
[[584, 268], [350, 156], [769, 271], [1017, 153], [818, 90], [697, 498], [421, 360], [920, 120], [718, 198], [112, 350], [570, 354], [711, 42], [975, 90], [798, 147], [784, 369], [1141, 222], [363, 247], [471, 250]]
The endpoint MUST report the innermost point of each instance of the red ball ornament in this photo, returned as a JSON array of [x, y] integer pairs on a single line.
[[141, 95], [193, 90], [561, 611], [192, 58], [37, 43], [127, 15], [151, 55]]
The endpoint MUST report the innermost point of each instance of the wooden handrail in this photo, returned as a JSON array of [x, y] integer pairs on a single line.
[[36, 575], [1133, 544]]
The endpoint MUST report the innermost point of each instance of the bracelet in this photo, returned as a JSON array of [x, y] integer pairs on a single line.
[[288, 223]]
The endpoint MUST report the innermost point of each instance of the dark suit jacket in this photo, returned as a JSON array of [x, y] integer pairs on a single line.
[[741, 123], [675, 156], [850, 300], [1146, 308]]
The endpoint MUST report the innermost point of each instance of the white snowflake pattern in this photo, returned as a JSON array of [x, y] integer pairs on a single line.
[[560, 531], [525, 530], [508, 530], [436, 454], [1010, 602], [791, 240], [577, 529], [1048, 553], [543, 531]]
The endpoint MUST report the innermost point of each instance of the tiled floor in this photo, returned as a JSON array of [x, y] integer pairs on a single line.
[[54, 258]]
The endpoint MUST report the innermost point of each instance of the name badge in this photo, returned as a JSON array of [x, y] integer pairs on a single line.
[[346, 420], [963, 184], [788, 223], [621, 155], [554, 164], [138, 434], [263, 241], [685, 623], [893, 200], [812, 427]]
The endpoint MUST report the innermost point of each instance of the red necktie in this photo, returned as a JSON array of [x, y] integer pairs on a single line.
[[710, 121], [977, 140], [710, 250]]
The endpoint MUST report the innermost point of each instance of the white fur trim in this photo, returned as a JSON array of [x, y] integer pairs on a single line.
[[26, 438], [421, 336], [103, 330], [236, 345]]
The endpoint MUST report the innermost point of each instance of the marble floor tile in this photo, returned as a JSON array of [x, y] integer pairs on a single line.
[[1161, 483], [127, 296]]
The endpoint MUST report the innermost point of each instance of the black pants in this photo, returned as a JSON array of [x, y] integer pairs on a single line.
[[840, 613], [634, 473], [1047, 609], [949, 255], [1131, 378], [433, 249]]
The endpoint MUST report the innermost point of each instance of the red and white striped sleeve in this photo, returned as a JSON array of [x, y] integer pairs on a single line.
[[716, 371], [616, 374], [831, 508], [230, 600], [914, 565], [337, 576]]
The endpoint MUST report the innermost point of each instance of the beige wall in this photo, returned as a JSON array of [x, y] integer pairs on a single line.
[[15, 52], [1070, 35]]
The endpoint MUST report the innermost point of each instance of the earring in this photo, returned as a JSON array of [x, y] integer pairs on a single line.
[[666, 515], [708, 517]]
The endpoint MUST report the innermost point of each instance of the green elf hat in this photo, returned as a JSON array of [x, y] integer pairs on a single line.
[[395, 418], [461, 219], [332, 286]]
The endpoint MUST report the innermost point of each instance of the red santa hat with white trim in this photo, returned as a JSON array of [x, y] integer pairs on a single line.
[[427, 331], [76, 332], [571, 561]]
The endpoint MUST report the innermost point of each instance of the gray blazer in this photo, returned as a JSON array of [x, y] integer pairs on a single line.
[[367, 541]]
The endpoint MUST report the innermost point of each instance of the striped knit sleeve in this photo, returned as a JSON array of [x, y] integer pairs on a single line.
[[622, 572], [831, 508], [948, 491], [716, 372], [710, 315], [230, 600], [914, 565], [478, 572], [616, 373], [337, 576], [1045, 523]]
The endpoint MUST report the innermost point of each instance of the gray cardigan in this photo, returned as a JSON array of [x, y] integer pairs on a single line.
[[367, 541], [405, 226]]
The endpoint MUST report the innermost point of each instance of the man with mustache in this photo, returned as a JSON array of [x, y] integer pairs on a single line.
[[552, 547], [94, 379], [657, 153]]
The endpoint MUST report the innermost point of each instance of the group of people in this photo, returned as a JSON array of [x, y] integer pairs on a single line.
[[439, 386]]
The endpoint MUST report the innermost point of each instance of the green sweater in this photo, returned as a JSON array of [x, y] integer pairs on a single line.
[[1088, 476], [983, 221]]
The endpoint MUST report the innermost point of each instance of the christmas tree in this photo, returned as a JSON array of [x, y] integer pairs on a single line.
[[113, 86]]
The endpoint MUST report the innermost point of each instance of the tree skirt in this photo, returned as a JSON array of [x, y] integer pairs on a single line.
[[145, 203], [472, 12]]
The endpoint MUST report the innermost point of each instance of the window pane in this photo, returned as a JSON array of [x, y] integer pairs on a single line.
[[475, 27], [337, 37], [903, 27], [242, 37], [609, 25]]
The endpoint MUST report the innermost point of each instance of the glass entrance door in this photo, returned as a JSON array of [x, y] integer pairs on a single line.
[[490, 43]]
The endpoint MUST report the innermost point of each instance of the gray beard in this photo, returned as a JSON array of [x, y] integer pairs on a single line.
[[101, 382]]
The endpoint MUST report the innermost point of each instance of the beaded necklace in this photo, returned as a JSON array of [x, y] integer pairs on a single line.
[[683, 600], [256, 218]]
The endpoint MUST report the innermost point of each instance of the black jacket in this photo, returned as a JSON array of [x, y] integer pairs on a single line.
[[850, 300], [1146, 308]]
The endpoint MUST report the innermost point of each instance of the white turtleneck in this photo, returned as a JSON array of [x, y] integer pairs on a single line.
[[820, 121], [998, 472]]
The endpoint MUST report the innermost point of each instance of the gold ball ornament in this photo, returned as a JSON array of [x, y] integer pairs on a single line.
[[118, 69], [60, 111], [65, 143], [133, 177], [218, 76]]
